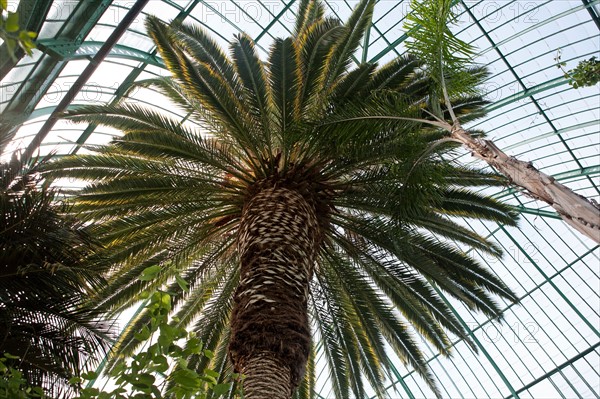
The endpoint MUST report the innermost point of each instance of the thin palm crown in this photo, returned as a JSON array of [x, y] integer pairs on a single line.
[[174, 195]]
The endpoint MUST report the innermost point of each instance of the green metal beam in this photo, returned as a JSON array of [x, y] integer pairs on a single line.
[[529, 293], [537, 212], [558, 368], [481, 347], [266, 28], [365, 49], [48, 68], [82, 79], [537, 25], [66, 50], [551, 134], [534, 289], [528, 92], [592, 328], [592, 12], [389, 48], [590, 171]]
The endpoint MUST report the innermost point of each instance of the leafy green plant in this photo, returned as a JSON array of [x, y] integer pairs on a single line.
[[12, 34], [141, 375], [586, 73], [13, 385], [45, 281], [448, 63]]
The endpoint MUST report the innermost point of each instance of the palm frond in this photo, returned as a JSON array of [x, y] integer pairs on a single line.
[[352, 83], [428, 25], [339, 56], [252, 73], [480, 206], [284, 77], [314, 45], [398, 73], [45, 280], [327, 320], [198, 43], [309, 13], [307, 388]]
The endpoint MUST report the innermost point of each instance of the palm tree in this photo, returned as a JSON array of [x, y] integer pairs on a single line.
[[44, 281], [446, 55], [265, 214]]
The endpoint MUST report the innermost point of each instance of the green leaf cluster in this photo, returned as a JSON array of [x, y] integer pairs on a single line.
[[447, 60], [11, 33], [13, 385], [143, 375], [586, 73]]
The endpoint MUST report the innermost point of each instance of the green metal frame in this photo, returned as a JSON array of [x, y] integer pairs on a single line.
[[48, 68]]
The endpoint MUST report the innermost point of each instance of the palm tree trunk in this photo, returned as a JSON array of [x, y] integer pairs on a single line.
[[576, 210], [270, 341], [266, 377]]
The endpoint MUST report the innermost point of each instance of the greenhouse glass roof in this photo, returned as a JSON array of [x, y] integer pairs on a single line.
[[549, 344]]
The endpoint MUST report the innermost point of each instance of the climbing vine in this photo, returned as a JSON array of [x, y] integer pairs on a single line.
[[586, 73]]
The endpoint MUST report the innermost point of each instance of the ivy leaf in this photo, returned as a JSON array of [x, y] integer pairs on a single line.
[[186, 378], [221, 389], [143, 381], [143, 335], [211, 373], [194, 345], [165, 301], [12, 22], [149, 273], [161, 364], [211, 380], [90, 375], [75, 380]]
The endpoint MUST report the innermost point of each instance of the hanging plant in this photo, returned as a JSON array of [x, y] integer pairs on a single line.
[[586, 73]]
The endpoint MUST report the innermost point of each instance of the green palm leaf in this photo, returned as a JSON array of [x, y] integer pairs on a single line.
[[339, 56], [284, 74], [252, 73]]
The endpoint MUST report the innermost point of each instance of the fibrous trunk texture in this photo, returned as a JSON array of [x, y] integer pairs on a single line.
[[266, 377], [277, 243], [576, 210]]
